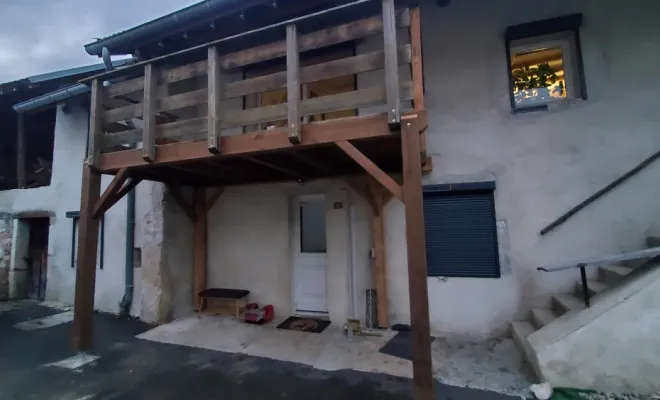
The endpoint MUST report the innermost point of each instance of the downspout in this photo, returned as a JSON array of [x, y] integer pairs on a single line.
[[127, 299]]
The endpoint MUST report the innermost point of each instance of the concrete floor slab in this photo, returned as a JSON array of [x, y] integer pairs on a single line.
[[131, 368], [493, 365]]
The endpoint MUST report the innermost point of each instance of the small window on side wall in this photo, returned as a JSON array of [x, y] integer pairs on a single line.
[[545, 63]]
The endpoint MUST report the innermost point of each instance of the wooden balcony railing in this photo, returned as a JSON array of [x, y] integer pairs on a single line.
[[149, 97]]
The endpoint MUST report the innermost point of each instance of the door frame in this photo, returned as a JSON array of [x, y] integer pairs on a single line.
[[294, 236]]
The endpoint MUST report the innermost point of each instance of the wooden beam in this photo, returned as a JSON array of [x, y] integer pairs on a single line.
[[88, 233], [391, 63], [149, 114], [417, 74], [310, 161], [214, 117], [130, 184], [379, 264], [312, 134], [214, 198], [276, 167], [371, 168], [417, 280], [20, 151], [176, 194], [293, 83], [109, 197], [199, 246], [95, 134], [417, 67]]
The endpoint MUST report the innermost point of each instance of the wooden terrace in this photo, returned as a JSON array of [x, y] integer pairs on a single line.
[[154, 121]]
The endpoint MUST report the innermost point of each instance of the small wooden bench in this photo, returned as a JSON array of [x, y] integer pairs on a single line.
[[223, 301]]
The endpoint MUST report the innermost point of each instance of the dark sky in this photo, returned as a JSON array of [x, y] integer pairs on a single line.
[[38, 36]]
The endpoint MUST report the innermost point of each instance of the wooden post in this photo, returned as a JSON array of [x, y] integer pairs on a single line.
[[380, 268], [391, 63], [417, 283], [214, 93], [95, 123], [149, 114], [20, 151], [293, 83], [88, 232], [199, 245], [417, 71]]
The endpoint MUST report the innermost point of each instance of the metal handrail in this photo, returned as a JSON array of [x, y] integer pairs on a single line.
[[629, 256]]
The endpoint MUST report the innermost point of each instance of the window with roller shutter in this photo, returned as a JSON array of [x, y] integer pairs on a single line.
[[461, 230]]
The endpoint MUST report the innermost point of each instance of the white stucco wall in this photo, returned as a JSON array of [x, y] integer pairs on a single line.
[[63, 195], [543, 163], [250, 233]]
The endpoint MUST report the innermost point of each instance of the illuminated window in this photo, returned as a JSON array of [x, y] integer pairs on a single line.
[[545, 64]]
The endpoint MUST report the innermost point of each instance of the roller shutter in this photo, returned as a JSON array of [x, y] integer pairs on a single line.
[[461, 230]]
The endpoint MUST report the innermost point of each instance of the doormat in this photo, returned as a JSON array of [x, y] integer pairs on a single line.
[[304, 324], [399, 345]]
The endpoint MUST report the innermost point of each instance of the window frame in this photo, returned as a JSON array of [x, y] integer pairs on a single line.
[[536, 34]]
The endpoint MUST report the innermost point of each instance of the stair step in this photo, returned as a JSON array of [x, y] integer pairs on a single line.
[[595, 287], [564, 303], [612, 274], [542, 316], [520, 330]]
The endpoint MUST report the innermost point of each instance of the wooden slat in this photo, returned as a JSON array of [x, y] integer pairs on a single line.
[[20, 151], [149, 117], [164, 76], [317, 105], [417, 281], [168, 103], [328, 70], [317, 72], [371, 168], [176, 194], [312, 134], [214, 93], [95, 123], [391, 63], [293, 83], [88, 233], [323, 38], [199, 244], [109, 197]]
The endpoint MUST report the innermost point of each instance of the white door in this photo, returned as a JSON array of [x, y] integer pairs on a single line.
[[309, 255]]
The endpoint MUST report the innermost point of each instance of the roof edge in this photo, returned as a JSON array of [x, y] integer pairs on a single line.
[[176, 21]]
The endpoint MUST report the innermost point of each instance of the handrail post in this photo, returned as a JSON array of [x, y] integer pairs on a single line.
[[585, 285], [149, 114], [293, 83], [391, 65], [214, 88], [95, 123]]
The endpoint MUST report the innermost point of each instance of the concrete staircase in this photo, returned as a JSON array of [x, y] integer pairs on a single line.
[[568, 305]]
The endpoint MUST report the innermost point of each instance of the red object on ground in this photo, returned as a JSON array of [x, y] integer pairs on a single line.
[[255, 315]]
